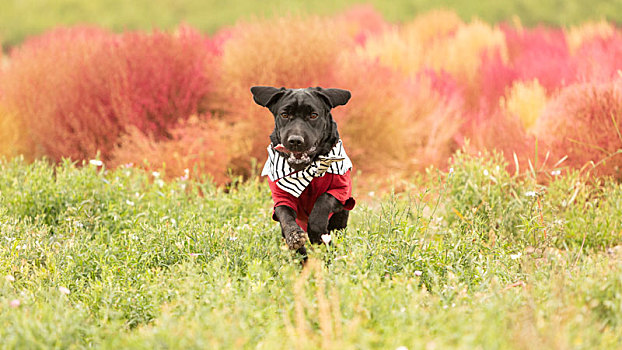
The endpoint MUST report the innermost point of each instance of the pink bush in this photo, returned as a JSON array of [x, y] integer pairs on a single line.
[[540, 53], [599, 59], [585, 123], [495, 78], [362, 22]]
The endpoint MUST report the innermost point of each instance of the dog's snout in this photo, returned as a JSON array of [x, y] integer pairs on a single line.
[[295, 141]]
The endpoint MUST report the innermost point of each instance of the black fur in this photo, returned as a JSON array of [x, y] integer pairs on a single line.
[[303, 123]]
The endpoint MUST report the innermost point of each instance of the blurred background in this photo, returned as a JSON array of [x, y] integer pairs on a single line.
[[164, 84]]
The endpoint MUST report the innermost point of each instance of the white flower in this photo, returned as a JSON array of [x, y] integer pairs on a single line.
[[530, 193], [129, 202], [451, 170], [486, 173], [159, 182], [418, 273], [233, 238], [64, 290], [15, 303], [516, 256], [9, 278], [186, 175], [401, 348], [326, 239], [556, 172], [96, 162], [155, 174]]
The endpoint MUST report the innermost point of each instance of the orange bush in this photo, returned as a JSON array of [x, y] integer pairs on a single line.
[[437, 41], [525, 100], [402, 124], [585, 123], [580, 34], [200, 145], [13, 136], [289, 51], [63, 106]]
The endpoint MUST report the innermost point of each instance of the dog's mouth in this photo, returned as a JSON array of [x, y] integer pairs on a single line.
[[295, 157]]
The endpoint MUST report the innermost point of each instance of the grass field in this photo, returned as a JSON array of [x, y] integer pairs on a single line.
[[472, 258], [19, 19]]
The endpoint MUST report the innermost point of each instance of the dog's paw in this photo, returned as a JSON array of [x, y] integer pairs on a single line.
[[296, 239]]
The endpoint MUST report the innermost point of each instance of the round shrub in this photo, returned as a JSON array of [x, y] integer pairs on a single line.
[[585, 123], [77, 89]]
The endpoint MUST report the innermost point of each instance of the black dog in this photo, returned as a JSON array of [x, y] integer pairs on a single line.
[[308, 169]]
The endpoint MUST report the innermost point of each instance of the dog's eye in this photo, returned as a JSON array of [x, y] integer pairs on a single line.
[[314, 115], [284, 115]]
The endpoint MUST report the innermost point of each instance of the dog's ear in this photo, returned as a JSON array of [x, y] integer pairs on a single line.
[[266, 95], [333, 97]]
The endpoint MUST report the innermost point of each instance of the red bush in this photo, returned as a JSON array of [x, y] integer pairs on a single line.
[[585, 123], [164, 78], [77, 89]]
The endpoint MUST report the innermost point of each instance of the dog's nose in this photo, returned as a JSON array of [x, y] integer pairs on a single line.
[[295, 141]]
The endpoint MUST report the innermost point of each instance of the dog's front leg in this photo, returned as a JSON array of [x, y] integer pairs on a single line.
[[318, 219], [295, 237]]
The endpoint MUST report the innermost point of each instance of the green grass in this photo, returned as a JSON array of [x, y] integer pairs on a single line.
[[20, 19], [466, 260]]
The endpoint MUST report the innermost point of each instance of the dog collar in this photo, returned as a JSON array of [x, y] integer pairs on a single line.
[[294, 182]]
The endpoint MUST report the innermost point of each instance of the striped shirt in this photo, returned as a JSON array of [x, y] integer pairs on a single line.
[[294, 183]]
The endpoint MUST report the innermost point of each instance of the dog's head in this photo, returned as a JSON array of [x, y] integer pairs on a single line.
[[303, 125]]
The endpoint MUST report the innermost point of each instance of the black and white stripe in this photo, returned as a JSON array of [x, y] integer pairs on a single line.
[[294, 183]]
